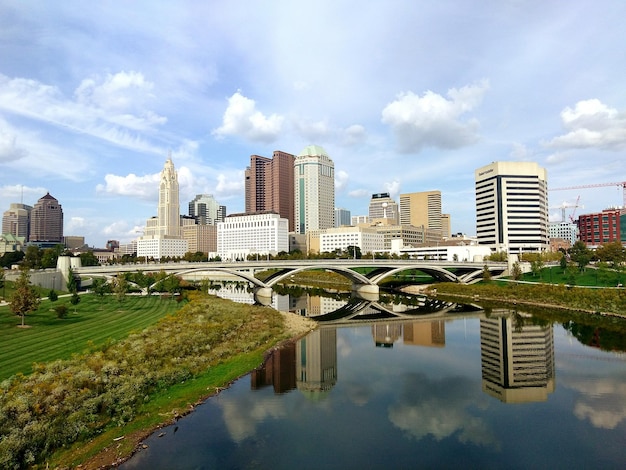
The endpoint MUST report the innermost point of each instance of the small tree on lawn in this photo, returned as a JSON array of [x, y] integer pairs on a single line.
[[486, 273], [120, 287], [25, 297], [72, 286], [53, 296], [516, 271]]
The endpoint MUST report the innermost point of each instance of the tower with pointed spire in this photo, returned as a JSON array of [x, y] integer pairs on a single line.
[[169, 206], [162, 235]]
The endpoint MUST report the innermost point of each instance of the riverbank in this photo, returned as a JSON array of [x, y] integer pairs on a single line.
[[601, 302], [114, 447]]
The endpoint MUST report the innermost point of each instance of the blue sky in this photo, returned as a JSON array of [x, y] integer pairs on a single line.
[[404, 95]]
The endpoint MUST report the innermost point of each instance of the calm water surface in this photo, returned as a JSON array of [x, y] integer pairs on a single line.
[[461, 391]]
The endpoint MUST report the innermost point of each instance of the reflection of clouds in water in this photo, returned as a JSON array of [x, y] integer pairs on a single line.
[[241, 415], [344, 347], [602, 401], [438, 408]]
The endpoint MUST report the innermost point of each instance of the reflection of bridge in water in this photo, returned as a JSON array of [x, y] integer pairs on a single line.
[[361, 310]]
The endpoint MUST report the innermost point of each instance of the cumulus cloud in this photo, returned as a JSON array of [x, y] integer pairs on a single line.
[[229, 186], [592, 124], [353, 135], [241, 118], [143, 187], [17, 192], [341, 180], [393, 188], [433, 120]]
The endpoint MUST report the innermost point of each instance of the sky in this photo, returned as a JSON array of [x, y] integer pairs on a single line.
[[404, 96]]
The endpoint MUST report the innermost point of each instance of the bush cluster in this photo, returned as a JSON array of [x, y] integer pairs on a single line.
[[72, 400]]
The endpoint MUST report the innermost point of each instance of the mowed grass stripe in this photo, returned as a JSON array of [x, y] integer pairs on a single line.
[[50, 338]]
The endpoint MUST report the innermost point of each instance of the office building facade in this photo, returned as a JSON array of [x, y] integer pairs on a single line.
[[342, 217], [512, 207], [16, 220], [46, 221], [382, 206], [314, 180], [422, 209], [603, 227], [269, 185], [206, 210], [243, 234]]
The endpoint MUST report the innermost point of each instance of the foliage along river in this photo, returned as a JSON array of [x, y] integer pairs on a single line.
[[433, 385]]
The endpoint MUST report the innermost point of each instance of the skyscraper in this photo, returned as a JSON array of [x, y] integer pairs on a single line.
[[512, 207], [162, 236], [314, 179], [16, 220], [169, 206], [269, 185], [342, 217], [206, 210], [421, 209], [46, 220], [382, 206]]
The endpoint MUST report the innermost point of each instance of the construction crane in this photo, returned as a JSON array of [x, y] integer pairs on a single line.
[[600, 185], [566, 205]]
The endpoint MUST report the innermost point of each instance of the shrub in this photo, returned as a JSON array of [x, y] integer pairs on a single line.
[[61, 311]]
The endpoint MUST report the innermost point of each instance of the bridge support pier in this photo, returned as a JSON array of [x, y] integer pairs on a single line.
[[365, 289], [263, 295]]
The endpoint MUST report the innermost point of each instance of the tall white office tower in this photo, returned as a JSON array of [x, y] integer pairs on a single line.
[[162, 235], [512, 207], [314, 188], [169, 206]]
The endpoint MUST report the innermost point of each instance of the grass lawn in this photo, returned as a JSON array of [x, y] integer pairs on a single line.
[[95, 320], [590, 277]]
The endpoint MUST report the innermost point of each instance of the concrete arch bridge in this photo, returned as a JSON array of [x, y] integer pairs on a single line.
[[378, 269]]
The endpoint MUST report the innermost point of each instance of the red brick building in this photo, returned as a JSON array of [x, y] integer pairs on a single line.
[[601, 227]]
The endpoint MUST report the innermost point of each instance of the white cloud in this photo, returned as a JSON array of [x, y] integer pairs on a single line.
[[143, 187], [520, 152], [393, 188], [228, 186], [19, 193], [241, 118], [114, 110], [358, 193], [353, 135], [341, 180], [9, 150], [592, 124], [433, 120]]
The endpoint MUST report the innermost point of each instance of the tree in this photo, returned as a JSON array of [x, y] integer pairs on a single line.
[[32, 257], [2, 282], [120, 287], [25, 297], [10, 258], [580, 254], [100, 287], [89, 259], [486, 273], [563, 262], [53, 296], [516, 271], [612, 252], [72, 285]]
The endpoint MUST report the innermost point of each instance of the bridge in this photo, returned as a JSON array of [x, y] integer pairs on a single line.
[[282, 270]]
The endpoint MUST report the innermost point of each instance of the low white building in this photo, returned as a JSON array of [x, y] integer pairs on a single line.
[[244, 234], [368, 240], [161, 246], [470, 252]]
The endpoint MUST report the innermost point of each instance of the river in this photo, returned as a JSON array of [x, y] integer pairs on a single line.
[[402, 386]]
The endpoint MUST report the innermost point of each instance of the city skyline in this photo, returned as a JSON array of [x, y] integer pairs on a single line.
[[403, 97]]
